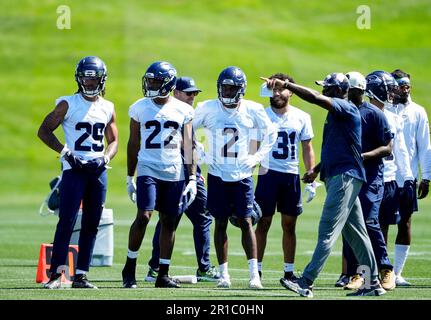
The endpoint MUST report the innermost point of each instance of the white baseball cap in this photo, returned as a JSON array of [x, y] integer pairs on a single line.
[[356, 80]]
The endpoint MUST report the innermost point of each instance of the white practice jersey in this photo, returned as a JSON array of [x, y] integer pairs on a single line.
[[417, 136], [229, 133], [397, 165], [292, 127], [84, 126], [161, 137]]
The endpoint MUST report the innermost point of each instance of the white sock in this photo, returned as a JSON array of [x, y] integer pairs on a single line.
[[79, 271], [132, 254], [165, 261], [401, 252], [252, 268], [288, 267], [259, 266], [223, 270]]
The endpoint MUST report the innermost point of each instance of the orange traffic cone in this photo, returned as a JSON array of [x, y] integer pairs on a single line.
[[43, 273]]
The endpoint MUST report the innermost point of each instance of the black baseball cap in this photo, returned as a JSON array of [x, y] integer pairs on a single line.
[[186, 84]]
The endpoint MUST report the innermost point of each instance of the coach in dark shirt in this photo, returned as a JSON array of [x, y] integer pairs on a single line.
[[376, 144], [343, 172]]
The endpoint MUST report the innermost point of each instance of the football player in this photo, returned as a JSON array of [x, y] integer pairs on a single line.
[[186, 91], [417, 137], [230, 122], [87, 118], [160, 127], [279, 184], [342, 170]]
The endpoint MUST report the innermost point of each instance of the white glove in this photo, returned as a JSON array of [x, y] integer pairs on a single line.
[[191, 189], [250, 162], [311, 189], [131, 188]]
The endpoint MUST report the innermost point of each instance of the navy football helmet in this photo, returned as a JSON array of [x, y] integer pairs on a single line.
[[91, 68], [335, 79], [381, 86], [231, 76], [255, 216], [166, 75]]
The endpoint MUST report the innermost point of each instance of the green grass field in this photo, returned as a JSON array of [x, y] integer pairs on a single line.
[[305, 39]]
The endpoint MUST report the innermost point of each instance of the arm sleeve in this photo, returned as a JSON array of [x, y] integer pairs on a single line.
[[267, 131], [189, 114], [342, 108], [307, 130], [423, 144], [402, 158], [199, 115], [384, 131], [133, 114]]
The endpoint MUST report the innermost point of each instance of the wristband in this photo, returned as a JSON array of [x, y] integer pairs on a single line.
[[129, 179], [192, 177]]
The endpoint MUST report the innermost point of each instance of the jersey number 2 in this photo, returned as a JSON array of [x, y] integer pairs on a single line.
[[95, 130]]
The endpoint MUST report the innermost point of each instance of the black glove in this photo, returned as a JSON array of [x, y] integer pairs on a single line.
[[96, 165], [424, 188], [409, 190], [74, 161]]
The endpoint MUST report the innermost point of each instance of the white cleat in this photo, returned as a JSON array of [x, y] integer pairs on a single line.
[[255, 283], [401, 282], [224, 282]]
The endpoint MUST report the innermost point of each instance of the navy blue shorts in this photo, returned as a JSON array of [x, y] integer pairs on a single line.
[[408, 204], [165, 196], [225, 197], [389, 208], [281, 190]]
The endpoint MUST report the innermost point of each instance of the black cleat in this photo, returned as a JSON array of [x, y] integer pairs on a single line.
[[80, 281], [54, 281], [290, 276], [166, 282], [129, 279]]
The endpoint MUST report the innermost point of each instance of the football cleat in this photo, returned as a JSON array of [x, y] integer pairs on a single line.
[[355, 283], [374, 290], [342, 281], [80, 281], [401, 282], [290, 276], [166, 282], [255, 283], [387, 277], [129, 279], [300, 287], [224, 282], [54, 282], [212, 275], [151, 275]]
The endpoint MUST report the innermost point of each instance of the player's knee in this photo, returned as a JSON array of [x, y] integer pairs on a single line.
[[244, 223], [143, 217], [168, 223], [264, 224]]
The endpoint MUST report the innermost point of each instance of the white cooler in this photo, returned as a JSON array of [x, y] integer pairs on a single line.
[[103, 253]]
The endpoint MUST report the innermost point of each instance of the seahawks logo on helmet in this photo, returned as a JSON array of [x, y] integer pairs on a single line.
[[255, 216]]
